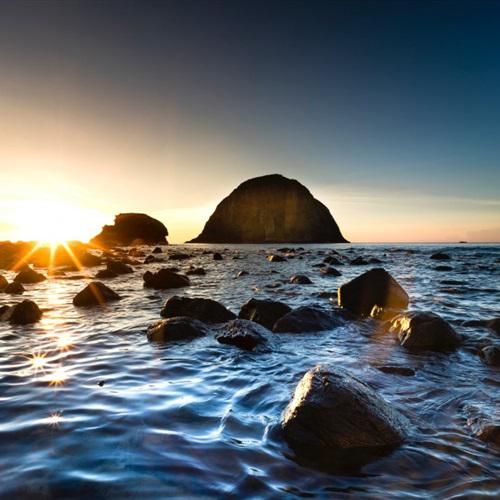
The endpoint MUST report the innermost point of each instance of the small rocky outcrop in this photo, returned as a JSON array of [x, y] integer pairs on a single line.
[[440, 256], [28, 276], [300, 279], [206, 310], [106, 274], [424, 331], [270, 209], [333, 410], [164, 279], [330, 271], [178, 328], [118, 267], [23, 313], [95, 293], [132, 228], [375, 287], [242, 333], [14, 288], [332, 260], [264, 312], [307, 319]]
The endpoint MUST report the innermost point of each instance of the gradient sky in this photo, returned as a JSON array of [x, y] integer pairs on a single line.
[[388, 111]]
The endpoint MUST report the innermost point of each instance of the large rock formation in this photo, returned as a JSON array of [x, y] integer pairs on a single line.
[[130, 229], [270, 209]]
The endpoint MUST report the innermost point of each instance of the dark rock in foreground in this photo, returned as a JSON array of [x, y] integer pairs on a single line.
[[333, 410], [23, 313], [425, 331], [270, 209], [132, 228], [307, 319], [206, 310], [242, 333], [95, 293], [14, 288], [373, 288], [178, 328], [264, 312], [164, 279], [28, 276]]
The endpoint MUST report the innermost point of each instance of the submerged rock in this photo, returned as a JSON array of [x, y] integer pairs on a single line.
[[440, 256], [276, 258], [132, 228], [359, 261], [333, 410], [206, 310], [164, 279], [14, 288], [196, 271], [330, 271], [270, 209], [105, 273], [23, 313], [95, 293], [28, 276], [300, 279], [490, 355], [178, 328], [242, 333], [375, 287], [424, 331], [307, 319], [264, 312], [397, 370], [330, 259]]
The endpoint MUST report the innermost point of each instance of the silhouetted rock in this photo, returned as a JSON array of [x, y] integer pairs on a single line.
[[330, 259], [23, 313], [490, 355], [164, 279], [95, 293], [330, 271], [424, 331], [179, 256], [440, 256], [270, 209], [375, 287], [307, 319], [14, 288], [243, 334], [206, 310], [333, 410], [359, 261], [178, 328], [105, 274], [28, 275], [3, 282], [300, 279], [217, 256], [150, 259], [115, 266], [264, 312], [276, 258], [131, 229], [157, 250]]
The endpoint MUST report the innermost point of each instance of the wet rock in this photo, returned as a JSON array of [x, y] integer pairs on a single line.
[[276, 258], [490, 355], [242, 273], [374, 260], [3, 310], [484, 427], [105, 274], [217, 256], [359, 261], [131, 229], [333, 261], [3, 282], [424, 331], [14, 288], [28, 275], [443, 268], [23, 313], [269, 209], [179, 256], [135, 252], [330, 271], [196, 271], [396, 370], [384, 313], [440, 256], [206, 310], [333, 410], [157, 250], [494, 324], [264, 312], [242, 333], [178, 328], [375, 287], [328, 295], [307, 319], [164, 279], [115, 266], [88, 259], [95, 293], [300, 279]]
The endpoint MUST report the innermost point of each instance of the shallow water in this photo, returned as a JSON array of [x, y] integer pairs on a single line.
[[102, 412]]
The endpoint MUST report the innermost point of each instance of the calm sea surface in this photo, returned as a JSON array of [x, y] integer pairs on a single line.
[[89, 408]]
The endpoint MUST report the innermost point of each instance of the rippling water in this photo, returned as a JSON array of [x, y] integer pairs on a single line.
[[88, 407]]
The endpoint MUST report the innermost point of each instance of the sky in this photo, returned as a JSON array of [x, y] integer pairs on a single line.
[[388, 111]]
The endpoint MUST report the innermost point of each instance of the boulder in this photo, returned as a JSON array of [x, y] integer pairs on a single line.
[[157, 250], [264, 312], [132, 228], [333, 410], [95, 293], [307, 319], [300, 279], [440, 256], [28, 275], [375, 287], [217, 256], [242, 333], [23, 313], [330, 271], [332, 260], [276, 258], [118, 267], [105, 273], [178, 328], [424, 331], [206, 310], [490, 355], [14, 288], [164, 279], [359, 261], [270, 209]]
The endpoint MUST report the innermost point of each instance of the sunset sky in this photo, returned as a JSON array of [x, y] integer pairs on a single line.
[[387, 111]]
